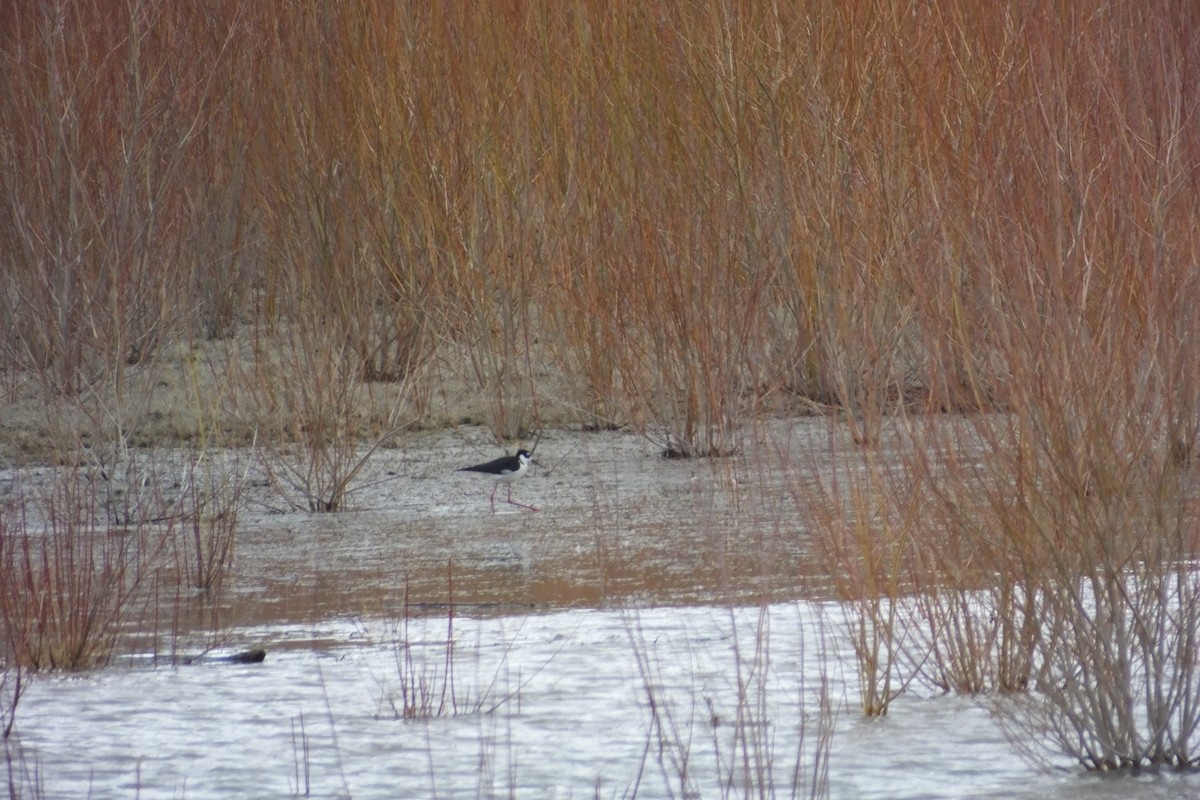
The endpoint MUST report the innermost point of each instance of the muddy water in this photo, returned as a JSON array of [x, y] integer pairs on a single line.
[[617, 523], [608, 646]]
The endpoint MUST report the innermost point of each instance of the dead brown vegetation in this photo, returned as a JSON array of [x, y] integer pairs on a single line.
[[692, 214]]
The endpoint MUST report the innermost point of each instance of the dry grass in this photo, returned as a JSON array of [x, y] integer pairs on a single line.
[[693, 215], [1055, 545], [93, 568], [862, 523], [634, 197], [12, 686], [725, 737], [209, 512], [697, 214], [70, 579], [117, 188], [430, 681]]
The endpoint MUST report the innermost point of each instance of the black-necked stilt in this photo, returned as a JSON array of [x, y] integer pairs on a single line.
[[505, 469]]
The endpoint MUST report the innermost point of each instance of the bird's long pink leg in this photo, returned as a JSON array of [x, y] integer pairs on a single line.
[[515, 503]]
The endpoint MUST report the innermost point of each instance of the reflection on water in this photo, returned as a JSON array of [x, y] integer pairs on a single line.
[[548, 705], [607, 646], [617, 525]]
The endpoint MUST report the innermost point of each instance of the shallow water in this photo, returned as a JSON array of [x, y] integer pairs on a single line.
[[617, 524], [640, 580], [564, 714]]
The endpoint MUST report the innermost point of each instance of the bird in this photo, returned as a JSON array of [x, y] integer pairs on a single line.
[[505, 469]]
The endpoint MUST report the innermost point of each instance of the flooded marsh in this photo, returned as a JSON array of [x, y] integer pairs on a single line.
[[662, 628]]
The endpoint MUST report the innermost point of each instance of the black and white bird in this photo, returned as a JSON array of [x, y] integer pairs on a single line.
[[505, 469]]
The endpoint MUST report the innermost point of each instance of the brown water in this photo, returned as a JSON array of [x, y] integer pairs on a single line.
[[691, 583], [617, 524]]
